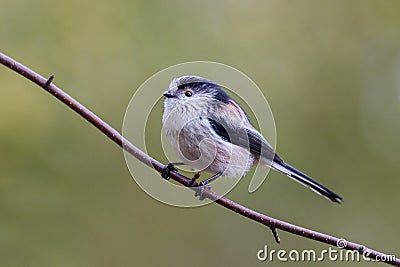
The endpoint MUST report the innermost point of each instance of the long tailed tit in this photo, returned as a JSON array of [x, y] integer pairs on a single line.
[[210, 132]]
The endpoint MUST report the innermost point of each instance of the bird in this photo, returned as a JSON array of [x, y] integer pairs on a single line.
[[211, 133]]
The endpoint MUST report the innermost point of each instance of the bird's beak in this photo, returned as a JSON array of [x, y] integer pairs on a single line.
[[168, 94]]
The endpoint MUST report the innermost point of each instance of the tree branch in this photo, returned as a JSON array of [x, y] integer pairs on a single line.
[[106, 129]]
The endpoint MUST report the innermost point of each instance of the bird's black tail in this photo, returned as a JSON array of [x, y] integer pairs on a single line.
[[305, 180]]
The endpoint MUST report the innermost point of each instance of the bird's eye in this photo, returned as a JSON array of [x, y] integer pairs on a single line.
[[188, 92]]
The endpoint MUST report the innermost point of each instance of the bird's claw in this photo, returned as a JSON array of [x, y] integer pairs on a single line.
[[200, 191], [167, 169]]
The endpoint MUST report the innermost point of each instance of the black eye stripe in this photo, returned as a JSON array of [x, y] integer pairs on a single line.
[[203, 87]]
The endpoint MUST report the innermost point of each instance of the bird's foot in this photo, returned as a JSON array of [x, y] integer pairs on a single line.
[[204, 185], [199, 192], [167, 169]]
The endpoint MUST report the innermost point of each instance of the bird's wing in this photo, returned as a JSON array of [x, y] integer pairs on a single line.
[[232, 125], [246, 137], [219, 129], [259, 146]]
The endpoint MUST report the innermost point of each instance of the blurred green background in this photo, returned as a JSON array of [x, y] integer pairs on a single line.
[[330, 71]]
